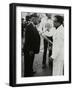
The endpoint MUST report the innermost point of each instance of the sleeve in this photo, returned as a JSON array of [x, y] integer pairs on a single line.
[[56, 46], [49, 33], [55, 51], [29, 37]]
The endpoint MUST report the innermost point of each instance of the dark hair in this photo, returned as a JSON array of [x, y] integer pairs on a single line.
[[34, 15], [60, 19], [48, 15], [27, 18]]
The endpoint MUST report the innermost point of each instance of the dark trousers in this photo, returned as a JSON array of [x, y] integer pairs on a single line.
[[28, 64], [45, 49]]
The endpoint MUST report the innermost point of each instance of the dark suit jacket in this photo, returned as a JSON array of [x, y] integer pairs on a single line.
[[32, 39]]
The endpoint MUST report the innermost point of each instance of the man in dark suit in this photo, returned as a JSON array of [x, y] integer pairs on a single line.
[[31, 45]]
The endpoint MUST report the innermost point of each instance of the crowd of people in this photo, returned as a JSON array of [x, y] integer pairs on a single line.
[[51, 29]]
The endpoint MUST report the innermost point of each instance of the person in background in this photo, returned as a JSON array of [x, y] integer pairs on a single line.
[[31, 45], [45, 27], [24, 25], [58, 46]]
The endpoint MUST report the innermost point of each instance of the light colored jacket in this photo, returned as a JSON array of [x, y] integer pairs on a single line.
[[44, 25], [58, 43]]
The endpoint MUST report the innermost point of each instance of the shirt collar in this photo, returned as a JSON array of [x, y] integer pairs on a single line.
[[61, 26]]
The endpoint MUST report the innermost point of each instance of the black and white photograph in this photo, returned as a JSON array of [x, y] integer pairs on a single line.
[[40, 44]]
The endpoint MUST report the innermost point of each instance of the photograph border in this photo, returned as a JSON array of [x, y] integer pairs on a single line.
[[12, 41]]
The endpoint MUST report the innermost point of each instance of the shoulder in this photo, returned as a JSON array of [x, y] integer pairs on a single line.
[[29, 26]]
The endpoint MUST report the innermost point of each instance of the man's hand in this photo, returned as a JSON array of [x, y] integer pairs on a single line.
[[49, 48], [51, 59]]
